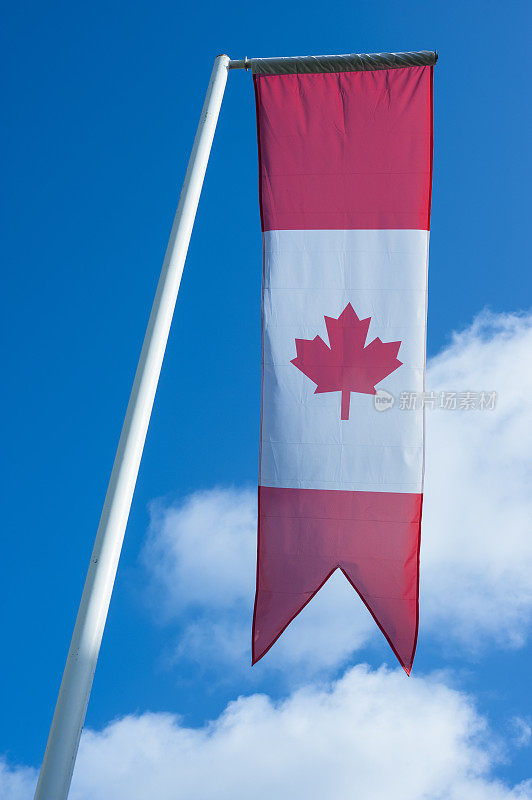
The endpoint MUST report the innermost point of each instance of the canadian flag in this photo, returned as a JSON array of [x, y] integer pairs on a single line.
[[345, 163]]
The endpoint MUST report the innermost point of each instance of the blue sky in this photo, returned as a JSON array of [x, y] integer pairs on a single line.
[[101, 103]]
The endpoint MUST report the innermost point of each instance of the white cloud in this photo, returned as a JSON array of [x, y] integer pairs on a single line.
[[16, 783], [521, 731], [371, 734], [476, 534], [476, 569], [200, 552]]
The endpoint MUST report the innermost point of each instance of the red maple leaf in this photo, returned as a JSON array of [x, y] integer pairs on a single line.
[[347, 365]]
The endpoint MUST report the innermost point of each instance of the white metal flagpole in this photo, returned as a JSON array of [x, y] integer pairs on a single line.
[[69, 715]]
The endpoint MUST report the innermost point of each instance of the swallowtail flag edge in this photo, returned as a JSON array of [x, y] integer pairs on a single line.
[[345, 176]]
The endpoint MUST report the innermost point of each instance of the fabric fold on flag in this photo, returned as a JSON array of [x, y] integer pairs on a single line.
[[345, 166]]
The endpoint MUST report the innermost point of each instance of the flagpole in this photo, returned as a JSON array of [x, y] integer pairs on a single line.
[[71, 706], [69, 715]]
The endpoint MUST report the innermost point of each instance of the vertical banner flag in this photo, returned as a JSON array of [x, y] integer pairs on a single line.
[[345, 161]]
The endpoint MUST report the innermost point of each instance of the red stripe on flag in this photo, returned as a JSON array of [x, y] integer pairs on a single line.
[[345, 151], [306, 534]]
